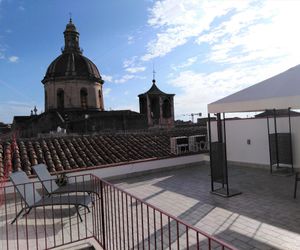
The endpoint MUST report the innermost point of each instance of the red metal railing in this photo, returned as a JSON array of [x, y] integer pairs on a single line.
[[130, 223], [117, 220], [46, 227]]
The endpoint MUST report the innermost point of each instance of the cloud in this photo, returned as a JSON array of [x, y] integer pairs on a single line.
[[132, 66], [130, 62], [189, 62], [199, 89], [179, 21], [106, 91], [262, 32], [21, 8], [242, 42], [107, 78], [135, 69], [124, 78], [130, 40], [2, 51], [13, 59]]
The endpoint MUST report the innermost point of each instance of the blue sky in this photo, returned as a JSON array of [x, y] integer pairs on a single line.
[[202, 50]]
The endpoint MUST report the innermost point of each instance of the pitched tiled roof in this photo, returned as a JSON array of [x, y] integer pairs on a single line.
[[71, 153], [154, 90]]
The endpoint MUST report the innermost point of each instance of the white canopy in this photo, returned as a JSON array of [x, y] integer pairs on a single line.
[[278, 92]]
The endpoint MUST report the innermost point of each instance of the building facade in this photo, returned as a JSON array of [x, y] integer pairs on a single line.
[[74, 98]]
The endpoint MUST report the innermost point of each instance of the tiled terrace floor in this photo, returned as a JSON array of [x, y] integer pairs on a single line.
[[264, 216]]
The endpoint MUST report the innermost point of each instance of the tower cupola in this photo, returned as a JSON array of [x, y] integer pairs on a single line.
[[71, 39], [157, 106]]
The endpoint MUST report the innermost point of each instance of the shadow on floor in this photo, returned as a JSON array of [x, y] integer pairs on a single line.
[[265, 198]]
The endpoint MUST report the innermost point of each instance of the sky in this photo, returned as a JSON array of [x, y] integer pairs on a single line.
[[201, 50]]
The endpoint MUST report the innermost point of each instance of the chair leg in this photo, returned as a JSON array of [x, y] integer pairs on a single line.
[[77, 209], [17, 216], [27, 211]]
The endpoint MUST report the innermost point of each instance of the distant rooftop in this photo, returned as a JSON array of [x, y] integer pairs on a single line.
[[69, 153]]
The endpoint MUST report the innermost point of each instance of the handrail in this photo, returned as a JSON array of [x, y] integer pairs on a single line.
[[169, 215], [116, 218]]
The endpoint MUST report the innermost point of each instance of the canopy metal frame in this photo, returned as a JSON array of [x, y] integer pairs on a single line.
[[277, 149], [224, 190]]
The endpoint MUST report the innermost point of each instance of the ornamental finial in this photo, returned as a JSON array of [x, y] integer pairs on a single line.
[[153, 72]]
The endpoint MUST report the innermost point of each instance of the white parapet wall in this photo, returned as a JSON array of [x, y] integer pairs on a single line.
[[131, 169], [247, 139], [143, 167]]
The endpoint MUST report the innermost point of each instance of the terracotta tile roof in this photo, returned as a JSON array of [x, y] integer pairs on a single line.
[[71, 153]]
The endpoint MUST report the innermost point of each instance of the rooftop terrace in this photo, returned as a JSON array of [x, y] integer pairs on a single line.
[[117, 220], [264, 216]]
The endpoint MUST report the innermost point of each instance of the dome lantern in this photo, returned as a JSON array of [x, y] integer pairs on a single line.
[[71, 38]]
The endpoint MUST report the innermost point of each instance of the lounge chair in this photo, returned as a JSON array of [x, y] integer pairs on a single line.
[[32, 198], [48, 182]]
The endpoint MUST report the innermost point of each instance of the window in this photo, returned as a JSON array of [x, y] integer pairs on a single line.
[[84, 98], [100, 98], [166, 108], [154, 107], [46, 100], [60, 99], [143, 105]]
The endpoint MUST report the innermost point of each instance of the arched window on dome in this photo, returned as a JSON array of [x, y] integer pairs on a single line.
[[46, 100], [84, 98], [60, 99], [100, 98]]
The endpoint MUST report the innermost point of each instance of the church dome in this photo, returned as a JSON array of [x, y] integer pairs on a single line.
[[72, 64]]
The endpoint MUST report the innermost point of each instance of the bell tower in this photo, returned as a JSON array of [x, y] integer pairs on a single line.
[[157, 106]]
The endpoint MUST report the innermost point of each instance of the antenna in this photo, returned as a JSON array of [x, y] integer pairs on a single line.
[[70, 14], [153, 72]]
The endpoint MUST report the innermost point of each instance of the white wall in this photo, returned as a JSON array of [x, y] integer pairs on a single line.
[[127, 169], [142, 166], [238, 131]]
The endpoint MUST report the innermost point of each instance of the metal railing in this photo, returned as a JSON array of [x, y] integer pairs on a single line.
[[117, 220]]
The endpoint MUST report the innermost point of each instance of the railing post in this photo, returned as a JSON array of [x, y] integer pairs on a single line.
[[102, 213]]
